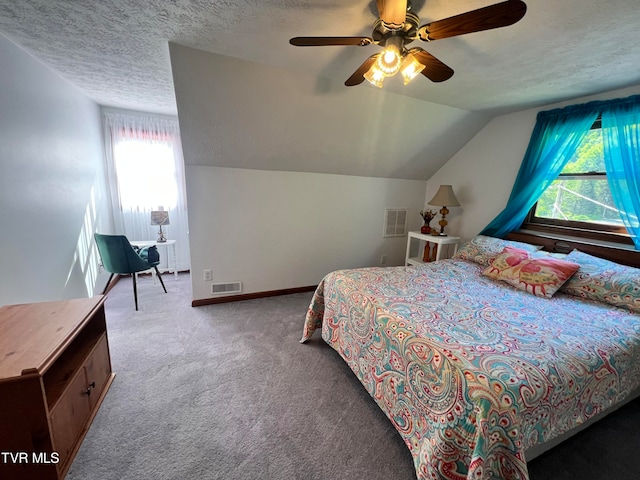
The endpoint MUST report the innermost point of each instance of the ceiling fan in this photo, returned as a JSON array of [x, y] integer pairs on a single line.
[[397, 26]]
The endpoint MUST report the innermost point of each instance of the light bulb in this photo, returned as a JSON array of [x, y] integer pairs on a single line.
[[390, 59]]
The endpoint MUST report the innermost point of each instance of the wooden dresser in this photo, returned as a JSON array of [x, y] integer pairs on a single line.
[[55, 370]]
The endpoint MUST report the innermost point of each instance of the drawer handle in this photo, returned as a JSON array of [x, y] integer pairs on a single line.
[[87, 392]]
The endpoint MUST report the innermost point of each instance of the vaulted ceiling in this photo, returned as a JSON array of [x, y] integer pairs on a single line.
[[117, 51]]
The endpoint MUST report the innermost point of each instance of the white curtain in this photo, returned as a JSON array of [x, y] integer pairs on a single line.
[[146, 173]]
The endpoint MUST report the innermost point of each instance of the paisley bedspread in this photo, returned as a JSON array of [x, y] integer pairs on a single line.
[[470, 371]]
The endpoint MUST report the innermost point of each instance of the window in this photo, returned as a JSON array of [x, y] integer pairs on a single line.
[[146, 173], [568, 141], [580, 199]]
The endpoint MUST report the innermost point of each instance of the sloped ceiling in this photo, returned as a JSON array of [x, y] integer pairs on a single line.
[[283, 120], [117, 51]]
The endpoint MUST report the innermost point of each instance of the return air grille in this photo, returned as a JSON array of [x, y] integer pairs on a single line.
[[395, 222], [226, 288]]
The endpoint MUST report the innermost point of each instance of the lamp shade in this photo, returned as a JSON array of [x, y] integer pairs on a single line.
[[375, 76], [444, 197], [159, 217], [410, 68]]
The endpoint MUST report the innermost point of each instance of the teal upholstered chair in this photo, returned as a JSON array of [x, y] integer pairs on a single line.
[[118, 256]]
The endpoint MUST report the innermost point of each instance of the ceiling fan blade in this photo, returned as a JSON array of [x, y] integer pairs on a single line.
[[434, 69], [486, 18], [358, 76], [327, 41], [392, 12]]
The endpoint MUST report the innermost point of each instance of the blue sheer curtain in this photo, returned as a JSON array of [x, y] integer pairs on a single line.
[[621, 138], [555, 138]]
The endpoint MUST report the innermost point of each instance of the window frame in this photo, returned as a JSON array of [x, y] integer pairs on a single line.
[[572, 228]]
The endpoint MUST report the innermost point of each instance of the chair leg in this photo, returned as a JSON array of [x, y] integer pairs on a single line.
[[160, 277], [135, 290], [106, 287]]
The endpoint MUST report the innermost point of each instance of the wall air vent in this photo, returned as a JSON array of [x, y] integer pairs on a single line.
[[395, 222], [226, 288]]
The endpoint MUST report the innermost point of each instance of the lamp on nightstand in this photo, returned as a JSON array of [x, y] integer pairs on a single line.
[[444, 198], [160, 218]]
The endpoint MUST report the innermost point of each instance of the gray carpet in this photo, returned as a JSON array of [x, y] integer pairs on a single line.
[[227, 392]]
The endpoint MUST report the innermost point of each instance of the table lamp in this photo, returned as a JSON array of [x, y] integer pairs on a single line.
[[444, 198], [160, 218]]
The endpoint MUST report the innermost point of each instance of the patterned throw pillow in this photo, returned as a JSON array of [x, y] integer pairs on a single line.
[[604, 281], [483, 249], [540, 275]]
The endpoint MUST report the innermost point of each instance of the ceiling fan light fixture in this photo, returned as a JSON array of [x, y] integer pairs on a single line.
[[410, 68], [375, 76], [397, 26]]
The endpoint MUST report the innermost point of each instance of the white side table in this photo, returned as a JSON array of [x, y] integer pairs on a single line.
[[171, 259], [434, 247]]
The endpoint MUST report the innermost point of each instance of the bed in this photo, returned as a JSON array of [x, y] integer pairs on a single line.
[[474, 372]]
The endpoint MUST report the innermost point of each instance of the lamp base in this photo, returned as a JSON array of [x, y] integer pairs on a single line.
[[161, 237], [443, 222]]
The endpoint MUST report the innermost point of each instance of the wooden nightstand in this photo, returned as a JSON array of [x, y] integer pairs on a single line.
[[437, 248]]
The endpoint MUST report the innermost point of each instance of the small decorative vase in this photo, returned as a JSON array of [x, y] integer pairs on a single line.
[[425, 229], [426, 256]]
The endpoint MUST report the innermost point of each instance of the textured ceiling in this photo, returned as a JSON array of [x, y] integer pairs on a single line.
[[116, 51]]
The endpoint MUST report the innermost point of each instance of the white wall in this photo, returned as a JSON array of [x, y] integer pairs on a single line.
[[483, 171], [277, 230], [51, 183]]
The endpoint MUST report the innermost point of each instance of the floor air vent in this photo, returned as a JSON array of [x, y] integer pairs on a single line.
[[226, 288]]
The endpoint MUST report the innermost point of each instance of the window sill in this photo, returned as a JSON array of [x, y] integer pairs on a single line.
[[606, 237], [615, 251]]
